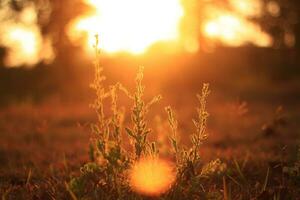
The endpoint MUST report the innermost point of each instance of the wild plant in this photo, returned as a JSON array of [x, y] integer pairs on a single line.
[[108, 169], [108, 158], [174, 135], [187, 159], [188, 162], [139, 132]]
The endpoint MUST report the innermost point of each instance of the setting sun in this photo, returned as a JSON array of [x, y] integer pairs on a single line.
[[131, 26], [150, 99]]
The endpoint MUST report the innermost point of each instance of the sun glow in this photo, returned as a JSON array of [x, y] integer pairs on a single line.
[[235, 31], [233, 26], [251, 8], [131, 25], [151, 176], [26, 46]]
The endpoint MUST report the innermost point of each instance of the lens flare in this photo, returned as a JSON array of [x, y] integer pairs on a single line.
[[131, 25], [151, 176]]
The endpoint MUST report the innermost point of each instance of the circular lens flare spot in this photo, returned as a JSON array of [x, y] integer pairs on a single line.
[[151, 176]]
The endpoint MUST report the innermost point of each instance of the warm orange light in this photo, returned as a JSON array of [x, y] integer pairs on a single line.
[[273, 8], [232, 25], [25, 45], [25, 38], [252, 8], [24, 42], [289, 39], [212, 29], [151, 176], [128, 25], [235, 31]]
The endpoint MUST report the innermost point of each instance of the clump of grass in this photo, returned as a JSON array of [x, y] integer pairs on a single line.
[[278, 121], [106, 175], [294, 170]]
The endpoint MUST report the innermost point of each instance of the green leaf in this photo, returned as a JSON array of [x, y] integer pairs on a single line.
[[91, 153], [130, 132]]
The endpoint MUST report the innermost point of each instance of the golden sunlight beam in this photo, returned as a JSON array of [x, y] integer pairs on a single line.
[[131, 25], [151, 176]]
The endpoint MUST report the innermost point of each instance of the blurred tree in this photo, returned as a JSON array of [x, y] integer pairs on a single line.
[[54, 16]]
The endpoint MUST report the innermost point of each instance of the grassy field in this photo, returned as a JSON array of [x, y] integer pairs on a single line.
[[253, 129]]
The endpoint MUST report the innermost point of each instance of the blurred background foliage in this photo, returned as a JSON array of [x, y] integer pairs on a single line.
[[60, 64]]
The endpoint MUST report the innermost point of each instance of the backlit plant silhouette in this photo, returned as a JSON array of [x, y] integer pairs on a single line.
[[106, 176]]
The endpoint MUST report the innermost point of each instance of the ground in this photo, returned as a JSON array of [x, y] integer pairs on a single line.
[[254, 121]]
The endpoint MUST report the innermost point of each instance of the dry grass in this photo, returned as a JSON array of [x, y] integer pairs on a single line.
[[52, 140], [45, 151]]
